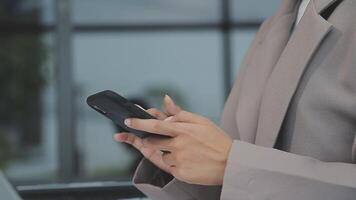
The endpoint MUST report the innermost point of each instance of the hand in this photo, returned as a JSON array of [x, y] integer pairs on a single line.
[[198, 148], [155, 156]]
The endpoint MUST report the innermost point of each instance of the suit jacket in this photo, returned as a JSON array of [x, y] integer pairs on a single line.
[[297, 87]]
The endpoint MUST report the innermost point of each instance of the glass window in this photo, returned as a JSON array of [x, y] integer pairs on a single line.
[[142, 67], [27, 107], [253, 10], [27, 11], [143, 12], [47, 11]]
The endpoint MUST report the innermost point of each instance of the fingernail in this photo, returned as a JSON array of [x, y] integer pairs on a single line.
[[127, 122], [117, 138], [168, 98]]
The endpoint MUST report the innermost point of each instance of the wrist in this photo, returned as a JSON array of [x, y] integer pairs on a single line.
[[224, 162]]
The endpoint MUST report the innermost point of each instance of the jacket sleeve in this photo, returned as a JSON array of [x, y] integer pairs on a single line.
[[158, 185], [255, 172]]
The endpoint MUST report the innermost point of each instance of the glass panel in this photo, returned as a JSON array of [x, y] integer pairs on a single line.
[[142, 67], [242, 39], [27, 107], [145, 11], [253, 10], [27, 11], [48, 11]]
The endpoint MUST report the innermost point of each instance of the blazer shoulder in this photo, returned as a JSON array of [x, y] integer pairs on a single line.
[[344, 15], [346, 8]]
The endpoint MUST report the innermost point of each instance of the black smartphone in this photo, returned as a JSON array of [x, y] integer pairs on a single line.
[[117, 108]]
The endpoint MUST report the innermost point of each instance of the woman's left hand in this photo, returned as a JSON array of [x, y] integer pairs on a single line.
[[197, 150]]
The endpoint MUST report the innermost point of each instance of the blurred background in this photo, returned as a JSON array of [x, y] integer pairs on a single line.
[[54, 53]]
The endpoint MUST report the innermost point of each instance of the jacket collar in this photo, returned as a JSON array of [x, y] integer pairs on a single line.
[[287, 73], [269, 48], [321, 5]]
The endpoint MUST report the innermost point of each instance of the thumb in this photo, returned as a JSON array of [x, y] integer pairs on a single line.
[[170, 106]]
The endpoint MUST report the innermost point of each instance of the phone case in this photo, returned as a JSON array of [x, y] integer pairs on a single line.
[[117, 108]]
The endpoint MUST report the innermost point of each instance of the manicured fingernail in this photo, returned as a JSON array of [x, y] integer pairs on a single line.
[[168, 98], [127, 122], [117, 138]]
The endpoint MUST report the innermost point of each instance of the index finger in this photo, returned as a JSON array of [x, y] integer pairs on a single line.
[[153, 126], [157, 113]]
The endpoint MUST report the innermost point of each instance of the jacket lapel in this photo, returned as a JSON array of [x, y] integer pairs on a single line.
[[258, 70], [286, 75]]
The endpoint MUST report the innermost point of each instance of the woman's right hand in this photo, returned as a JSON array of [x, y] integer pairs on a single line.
[[152, 155]]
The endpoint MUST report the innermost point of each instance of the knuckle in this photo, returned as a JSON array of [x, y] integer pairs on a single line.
[[165, 157], [179, 171], [130, 139], [154, 111], [150, 110], [182, 113], [179, 158], [176, 143], [174, 157], [146, 142], [170, 143]]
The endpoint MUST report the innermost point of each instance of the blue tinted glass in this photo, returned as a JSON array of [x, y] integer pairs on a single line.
[[31, 130], [253, 10], [145, 11], [143, 67]]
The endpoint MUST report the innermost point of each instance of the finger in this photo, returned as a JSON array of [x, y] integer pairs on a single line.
[[121, 137], [170, 106], [135, 142], [150, 154], [157, 113], [153, 126], [160, 144], [188, 117], [168, 159], [129, 139]]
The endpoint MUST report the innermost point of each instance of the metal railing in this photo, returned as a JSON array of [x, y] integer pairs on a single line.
[[81, 191]]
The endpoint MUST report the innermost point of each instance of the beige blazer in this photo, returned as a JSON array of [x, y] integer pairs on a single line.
[[297, 90]]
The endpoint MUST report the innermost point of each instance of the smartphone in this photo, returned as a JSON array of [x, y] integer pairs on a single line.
[[117, 108]]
